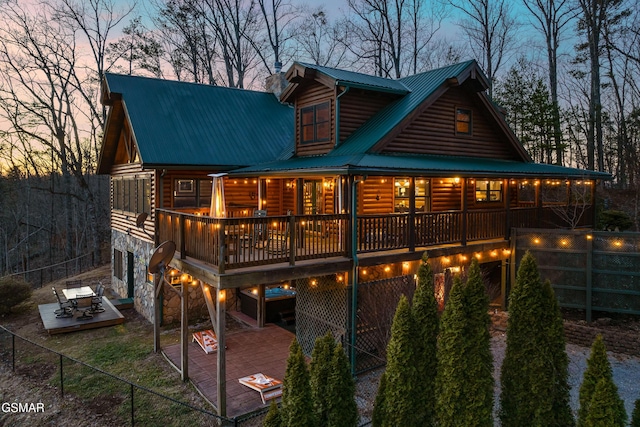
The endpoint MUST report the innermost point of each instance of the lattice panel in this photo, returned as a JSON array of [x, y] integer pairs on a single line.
[[377, 302], [563, 258], [321, 306]]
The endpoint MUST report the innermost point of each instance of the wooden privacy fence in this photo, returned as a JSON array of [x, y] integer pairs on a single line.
[[590, 271]]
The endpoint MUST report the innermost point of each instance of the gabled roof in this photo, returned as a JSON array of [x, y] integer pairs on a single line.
[[179, 124], [332, 77], [424, 87], [418, 165]]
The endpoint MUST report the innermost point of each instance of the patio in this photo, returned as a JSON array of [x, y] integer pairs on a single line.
[[249, 351]]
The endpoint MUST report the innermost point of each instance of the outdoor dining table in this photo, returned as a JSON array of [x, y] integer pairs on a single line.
[[73, 293]]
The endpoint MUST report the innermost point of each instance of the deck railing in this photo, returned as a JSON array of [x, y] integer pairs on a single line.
[[230, 243]]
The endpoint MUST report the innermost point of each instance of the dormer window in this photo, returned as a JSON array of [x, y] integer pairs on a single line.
[[315, 123], [463, 121]]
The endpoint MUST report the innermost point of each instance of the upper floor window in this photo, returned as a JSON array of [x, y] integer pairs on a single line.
[[488, 191], [315, 123], [132, 194], [463, 121]]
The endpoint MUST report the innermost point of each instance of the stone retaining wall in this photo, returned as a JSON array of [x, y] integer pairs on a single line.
[[618, 341]]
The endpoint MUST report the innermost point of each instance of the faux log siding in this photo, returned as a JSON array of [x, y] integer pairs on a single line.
[[313, 94], [356, 107], [369, 202], [445, 195], [237, 194], [433, 132], [280, 198], [126, 221]]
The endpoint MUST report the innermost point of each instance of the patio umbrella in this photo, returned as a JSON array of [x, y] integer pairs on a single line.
[[217, 209]]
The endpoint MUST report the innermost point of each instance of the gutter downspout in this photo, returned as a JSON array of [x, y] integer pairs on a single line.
[[337, 138], [354, 272]]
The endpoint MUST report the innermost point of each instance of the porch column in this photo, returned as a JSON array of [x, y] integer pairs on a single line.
[[221, 353], [260, 306], [412, 214], [538, 202], [507, 204], [463, 203], [184, 331]]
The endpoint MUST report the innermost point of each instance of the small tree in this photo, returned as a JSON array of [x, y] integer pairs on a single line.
[[598, 368], [401, 374], [319, 371], [272, 419], [535, 389], [297, 405], [379, 405], [342, 410], [605, 409], [425, 318], [635, 418], [464, 382]]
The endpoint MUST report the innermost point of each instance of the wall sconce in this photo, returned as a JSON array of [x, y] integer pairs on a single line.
[[252, 195], [378, 196], [456, 181]]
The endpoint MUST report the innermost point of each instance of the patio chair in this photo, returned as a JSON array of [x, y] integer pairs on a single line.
[[83, 303], [70, 284], [96, 301], [66, 307], [278, 240], [259, 236]]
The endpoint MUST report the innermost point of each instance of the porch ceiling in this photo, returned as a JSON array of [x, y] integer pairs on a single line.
[[423, 165]]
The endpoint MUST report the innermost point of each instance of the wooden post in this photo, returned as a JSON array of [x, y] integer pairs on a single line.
[[292, 239], [183, 255], [157, 283], [221, 302], [184, 332], [412, 214], [222, 248], [465, 213], [589, 278], [507, 226], [260, 307]]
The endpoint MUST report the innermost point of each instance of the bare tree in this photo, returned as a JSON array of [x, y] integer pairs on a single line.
[[394, 34], [551, 17], [490, 27], [596, 14], [44, 107], [319, 40], [277, 19], [138, 48]]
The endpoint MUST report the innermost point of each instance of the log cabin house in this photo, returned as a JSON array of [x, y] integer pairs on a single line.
[[336, 184]]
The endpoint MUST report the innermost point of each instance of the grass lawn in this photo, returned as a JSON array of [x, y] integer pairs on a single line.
[[124, 351]]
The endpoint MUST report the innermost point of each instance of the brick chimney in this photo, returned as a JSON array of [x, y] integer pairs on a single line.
[[276, 83]]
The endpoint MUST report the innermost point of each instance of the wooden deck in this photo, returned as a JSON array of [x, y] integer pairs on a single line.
[[249, 351], [59, 325]]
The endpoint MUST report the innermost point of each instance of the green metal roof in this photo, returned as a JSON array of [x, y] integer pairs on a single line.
[[417, 165], [360, 80], [185, 124], [421, 86]]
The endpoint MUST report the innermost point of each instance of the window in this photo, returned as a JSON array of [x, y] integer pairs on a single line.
[[132, 194], [488, 191], [463, 121], [315, 123], [117, 264], [422, 193], [192, 193]]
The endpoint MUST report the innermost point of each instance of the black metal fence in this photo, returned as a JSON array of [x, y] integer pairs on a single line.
[[100, 390], [43, 275], [591, 271]]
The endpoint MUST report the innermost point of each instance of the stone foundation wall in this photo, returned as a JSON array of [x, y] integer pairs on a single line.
[[171, 305], [142, 289]]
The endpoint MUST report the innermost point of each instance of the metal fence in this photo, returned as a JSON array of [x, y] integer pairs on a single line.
[[590, 271], [96, 389], [40, 276]]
